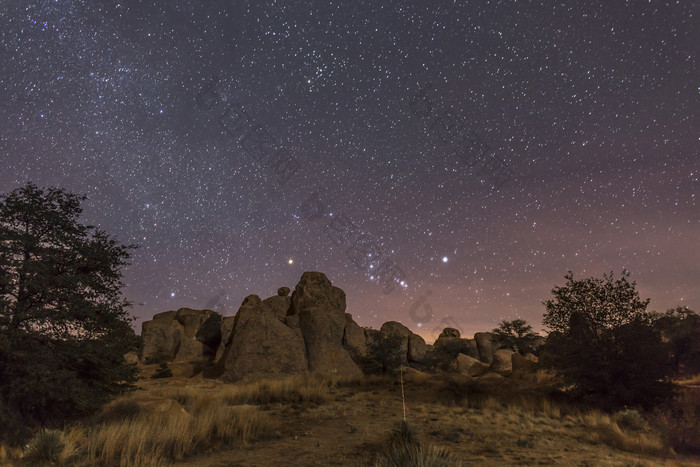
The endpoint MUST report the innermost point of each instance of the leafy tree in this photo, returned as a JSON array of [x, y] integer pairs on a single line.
[[516, 334], [64, 328], [384, 354], [606, 303], [604, 343]]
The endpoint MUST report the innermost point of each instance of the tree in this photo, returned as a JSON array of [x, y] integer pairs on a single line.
[[516, 334], [606, 303], [604, 343], [680, 328], [384, 354], [64, 328]]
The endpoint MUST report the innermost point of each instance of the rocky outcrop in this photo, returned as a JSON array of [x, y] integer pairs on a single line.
[[449, 344], [262, 344], [323, 332], [310, 331], [486, 345], [469, 366], [524, 367], [322, 320], [418, 350], [279, 305], [315, 290], [161, 338], [449, 332], [354, 339], [226, 335], [502, 362]]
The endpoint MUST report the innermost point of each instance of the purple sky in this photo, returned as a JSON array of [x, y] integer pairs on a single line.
[[475, 153]]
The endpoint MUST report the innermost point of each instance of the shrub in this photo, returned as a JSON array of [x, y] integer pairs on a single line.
[[405, 450], [163, 371], [416, 456], [48, 447]]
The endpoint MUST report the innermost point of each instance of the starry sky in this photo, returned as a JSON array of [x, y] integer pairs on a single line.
[[445, 162]]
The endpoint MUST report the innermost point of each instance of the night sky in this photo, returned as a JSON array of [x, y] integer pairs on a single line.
[[445, 162]]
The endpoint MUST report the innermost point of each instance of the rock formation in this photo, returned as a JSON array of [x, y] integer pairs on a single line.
[[309, 331]]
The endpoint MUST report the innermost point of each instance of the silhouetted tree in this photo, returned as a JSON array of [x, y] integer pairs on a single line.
[[384, 354], [680, 328], [516, 334], [64, 328], [604, 343]]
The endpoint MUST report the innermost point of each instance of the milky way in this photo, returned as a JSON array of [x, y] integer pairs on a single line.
[[445, 165]]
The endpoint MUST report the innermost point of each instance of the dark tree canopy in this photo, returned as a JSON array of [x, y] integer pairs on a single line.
[[680, 327], [516, 334], [605, 345], [605, 303], [64, 327]]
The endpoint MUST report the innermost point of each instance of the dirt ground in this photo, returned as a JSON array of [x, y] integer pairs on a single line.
[[353, 427]]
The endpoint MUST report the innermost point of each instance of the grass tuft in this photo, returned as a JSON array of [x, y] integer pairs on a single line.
[[49, 447]]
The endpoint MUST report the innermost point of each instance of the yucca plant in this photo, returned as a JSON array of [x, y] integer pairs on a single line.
[[404, 434], [418, 456]]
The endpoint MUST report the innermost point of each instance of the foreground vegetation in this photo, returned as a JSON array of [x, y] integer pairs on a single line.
[[449, 421]]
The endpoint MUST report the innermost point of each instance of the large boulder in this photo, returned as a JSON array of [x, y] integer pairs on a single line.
[[470, 366], [524, 366], [209, 332], [262, 344], [202, 334], [161, 338], [449, 332], [323, 330], [447, 347], [486, 345], [226, 335], [418, 350], [191, 319], [315, 290], [278, 304], [502, 362], [192, 350], [354, 339]]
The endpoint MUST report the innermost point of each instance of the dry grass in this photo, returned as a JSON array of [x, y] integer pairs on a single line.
[[162, 438], [680, 423], [638, 440], [321, 418], [294, 389]]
